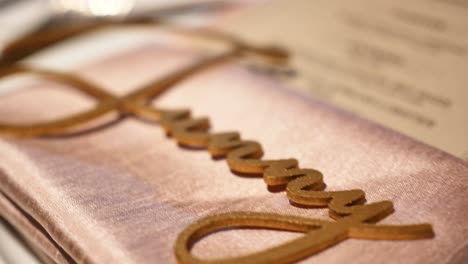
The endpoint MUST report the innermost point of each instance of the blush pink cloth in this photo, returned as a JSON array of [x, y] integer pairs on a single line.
[[124, 193]]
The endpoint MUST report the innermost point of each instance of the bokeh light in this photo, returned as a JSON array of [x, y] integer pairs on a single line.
[[95, 7]]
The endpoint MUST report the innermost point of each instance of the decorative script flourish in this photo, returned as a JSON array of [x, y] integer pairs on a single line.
[[353, 217]]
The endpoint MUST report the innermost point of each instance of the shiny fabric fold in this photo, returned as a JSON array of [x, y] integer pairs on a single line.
[[123, 193]]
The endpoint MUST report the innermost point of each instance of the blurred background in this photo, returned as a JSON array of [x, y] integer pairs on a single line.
[[21, 16]]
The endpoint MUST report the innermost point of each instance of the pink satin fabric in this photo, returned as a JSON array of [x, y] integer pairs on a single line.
[[124, 193]]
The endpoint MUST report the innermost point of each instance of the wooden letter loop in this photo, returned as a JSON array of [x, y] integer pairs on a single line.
[[352, 217]]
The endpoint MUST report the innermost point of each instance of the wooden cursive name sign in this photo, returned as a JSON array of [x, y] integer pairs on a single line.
[[352, 217]]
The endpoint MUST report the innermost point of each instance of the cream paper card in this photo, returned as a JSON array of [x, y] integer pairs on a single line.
[[401, 64]]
